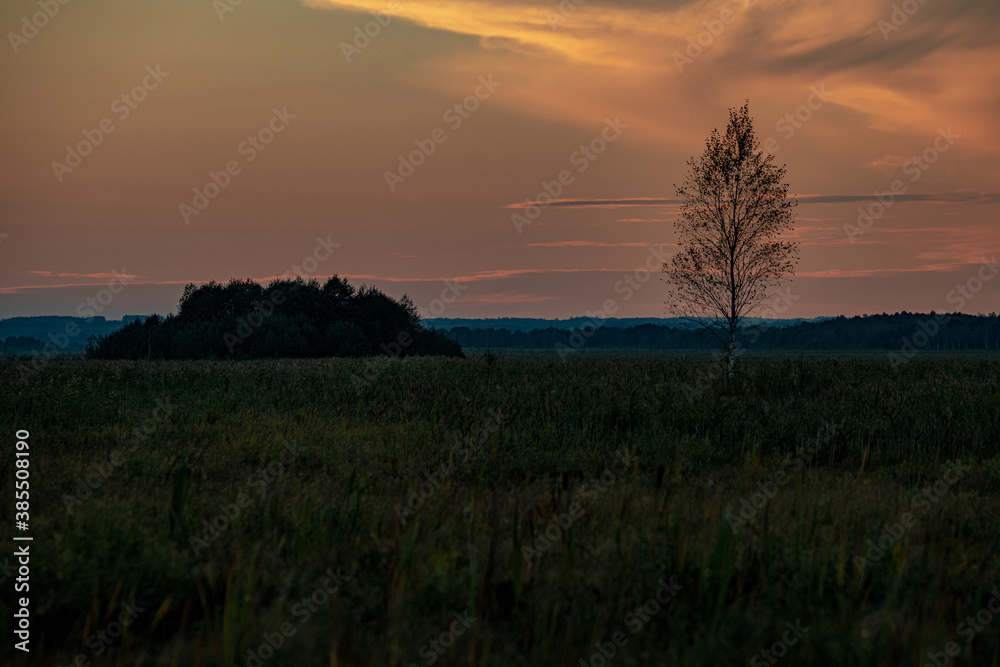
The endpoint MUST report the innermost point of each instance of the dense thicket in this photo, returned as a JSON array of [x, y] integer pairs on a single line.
[[900, 332], [288, 318]]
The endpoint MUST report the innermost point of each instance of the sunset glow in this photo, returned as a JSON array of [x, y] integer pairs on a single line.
[[168, 143]]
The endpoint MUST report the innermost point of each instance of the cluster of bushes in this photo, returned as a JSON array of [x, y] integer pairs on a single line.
[[287, 318]]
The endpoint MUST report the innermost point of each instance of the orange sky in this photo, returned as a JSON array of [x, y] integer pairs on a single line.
[[303, 119]]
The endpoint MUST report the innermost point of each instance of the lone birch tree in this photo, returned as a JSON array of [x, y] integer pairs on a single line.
[[734, 208]]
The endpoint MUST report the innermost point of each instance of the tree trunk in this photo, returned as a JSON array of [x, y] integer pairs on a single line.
[[732, 353]]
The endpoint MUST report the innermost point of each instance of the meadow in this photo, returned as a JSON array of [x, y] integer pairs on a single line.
[[508, 510]]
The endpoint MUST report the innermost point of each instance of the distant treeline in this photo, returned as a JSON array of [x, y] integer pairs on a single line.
[[288, 318], [54, 334], [901, 331], [530, 323], [20, 345]]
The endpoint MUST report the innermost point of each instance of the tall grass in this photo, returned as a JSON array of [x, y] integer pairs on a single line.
[[656, 453]]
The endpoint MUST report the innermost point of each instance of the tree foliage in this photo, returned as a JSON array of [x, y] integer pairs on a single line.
[[287, 318], [734, 208]]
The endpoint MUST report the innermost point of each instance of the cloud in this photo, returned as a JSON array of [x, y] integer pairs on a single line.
[[598, 203], [588, 61], [889, 163], [16, 289], [947, 198], [585, 36], [480, 299], [941, 198], [595, 244], [50, 274], [875, 273], [495, 274]]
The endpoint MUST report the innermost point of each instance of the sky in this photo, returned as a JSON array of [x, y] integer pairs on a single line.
[[487, 158]]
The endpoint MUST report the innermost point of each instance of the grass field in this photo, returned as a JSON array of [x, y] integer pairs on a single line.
[[612, 510]]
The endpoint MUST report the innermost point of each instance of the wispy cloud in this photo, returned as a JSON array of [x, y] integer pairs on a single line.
[[608, 50], [883, 272], [595, 244], [495, 274], [51, 274], [942, 198], [599, 203], [480, 299]]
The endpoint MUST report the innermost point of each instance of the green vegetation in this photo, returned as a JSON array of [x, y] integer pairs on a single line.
[[307, 466]]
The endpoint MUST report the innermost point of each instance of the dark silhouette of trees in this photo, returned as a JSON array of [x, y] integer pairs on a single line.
[[21, 345], [734, 208], [287, 318], [903, 334]]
